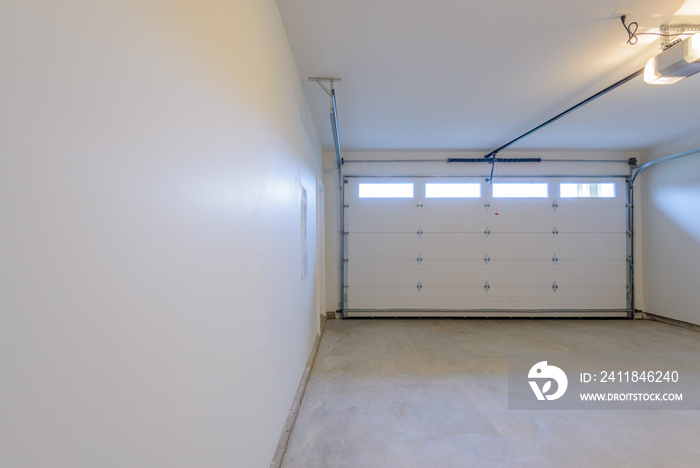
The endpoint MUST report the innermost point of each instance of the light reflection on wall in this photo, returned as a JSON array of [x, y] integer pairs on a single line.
[[682, 205]]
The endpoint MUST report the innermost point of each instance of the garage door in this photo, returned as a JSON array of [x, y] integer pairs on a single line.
[[462, 245]]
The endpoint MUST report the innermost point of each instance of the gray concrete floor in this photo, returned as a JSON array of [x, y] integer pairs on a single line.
[[433, 393]]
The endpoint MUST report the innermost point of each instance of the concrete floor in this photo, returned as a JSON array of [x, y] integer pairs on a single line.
[[433, 393]]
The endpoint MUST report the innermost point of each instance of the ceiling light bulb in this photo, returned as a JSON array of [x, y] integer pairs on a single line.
[[675, 63], [652, 75], [691, 49]]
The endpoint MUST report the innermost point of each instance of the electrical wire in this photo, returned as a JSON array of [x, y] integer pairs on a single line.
[[632, 28], [633, 39]]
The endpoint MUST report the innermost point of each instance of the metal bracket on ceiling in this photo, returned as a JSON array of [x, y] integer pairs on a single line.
[[671, 33], [329, 90], [321, 79]]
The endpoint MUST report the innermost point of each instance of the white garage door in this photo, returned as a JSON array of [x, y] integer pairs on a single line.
[[459, 245]]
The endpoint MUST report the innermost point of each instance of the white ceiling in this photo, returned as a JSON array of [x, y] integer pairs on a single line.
[[468, 74]]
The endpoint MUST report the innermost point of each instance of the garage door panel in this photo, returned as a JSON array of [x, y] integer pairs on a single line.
[[564, 245], [498, 273], [381, 245], [458, 273], [435, 298], [405, 245], [378, 218], [445, 218], [526, 273], [517, 219], [544, 273], [455, 298], [364, 218], [594, 245], [590, 273], [564, 298], [586, 298], [505, 245], [590, 218]]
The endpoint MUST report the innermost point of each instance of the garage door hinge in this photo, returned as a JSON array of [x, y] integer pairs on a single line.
[[630, 259], [487, 232], [487, 259], [555, 232], [555, 259], [487, 286], [419, 232], [419, 204], [419, 259], [419, 286], [555, 205], [487, 205], [554, 287], [346, 206], [630, 233]]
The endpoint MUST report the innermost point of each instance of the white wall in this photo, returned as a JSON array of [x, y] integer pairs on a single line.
[[152, 311], [671, 227]]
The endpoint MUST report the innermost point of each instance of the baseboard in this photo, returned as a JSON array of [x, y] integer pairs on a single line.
[[292, 417], [670, 321]]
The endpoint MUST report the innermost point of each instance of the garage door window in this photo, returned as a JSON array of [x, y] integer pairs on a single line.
[[587, 190], [532, 190], [453, 190], [386, 190]]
